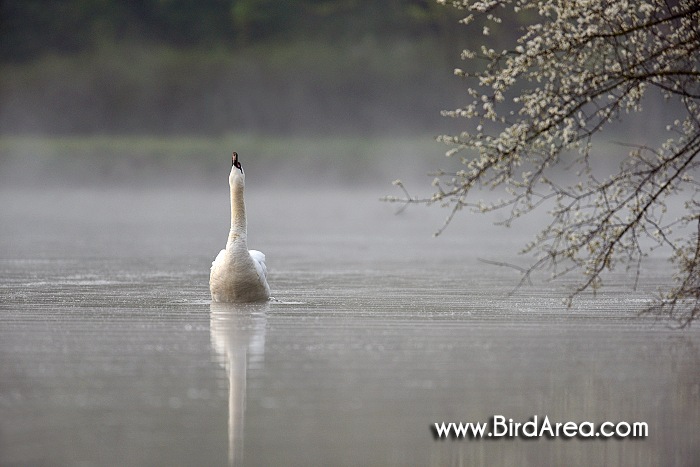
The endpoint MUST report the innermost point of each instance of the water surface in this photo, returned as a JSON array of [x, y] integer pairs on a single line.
[[112, 354]]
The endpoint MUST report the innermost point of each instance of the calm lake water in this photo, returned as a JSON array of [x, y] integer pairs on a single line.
[[112, 354]]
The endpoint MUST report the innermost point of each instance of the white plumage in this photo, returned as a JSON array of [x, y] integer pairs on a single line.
[[238, 274]]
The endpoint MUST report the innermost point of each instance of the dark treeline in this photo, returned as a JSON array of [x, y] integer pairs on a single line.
[[30, 28], [227, 66]]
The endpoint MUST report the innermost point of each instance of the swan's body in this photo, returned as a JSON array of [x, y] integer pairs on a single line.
[[237, 274]]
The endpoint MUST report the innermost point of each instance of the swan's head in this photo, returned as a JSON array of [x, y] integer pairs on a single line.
[[237, 175]]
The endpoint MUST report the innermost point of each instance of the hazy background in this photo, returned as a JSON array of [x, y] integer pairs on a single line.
[[108, 92], [105, 92]]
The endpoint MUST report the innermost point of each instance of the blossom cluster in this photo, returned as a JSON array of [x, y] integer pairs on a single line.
[[537, 105]]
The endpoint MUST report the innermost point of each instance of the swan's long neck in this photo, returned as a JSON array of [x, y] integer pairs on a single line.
[[239, 229]]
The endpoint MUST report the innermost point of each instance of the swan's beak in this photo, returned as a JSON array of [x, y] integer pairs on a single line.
[[234, 161]]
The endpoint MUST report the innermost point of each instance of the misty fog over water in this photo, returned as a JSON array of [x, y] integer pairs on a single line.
[[112, 352]]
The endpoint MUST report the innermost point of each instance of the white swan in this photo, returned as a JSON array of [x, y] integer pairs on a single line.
[[238, 275]]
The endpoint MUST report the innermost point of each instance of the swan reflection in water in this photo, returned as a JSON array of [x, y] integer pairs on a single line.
[[238, 335]]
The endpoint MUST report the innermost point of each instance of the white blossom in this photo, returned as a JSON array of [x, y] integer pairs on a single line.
[[574, 68]]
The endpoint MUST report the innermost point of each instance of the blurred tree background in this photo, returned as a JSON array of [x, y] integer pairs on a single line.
[[31, 28], [222, 66]]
